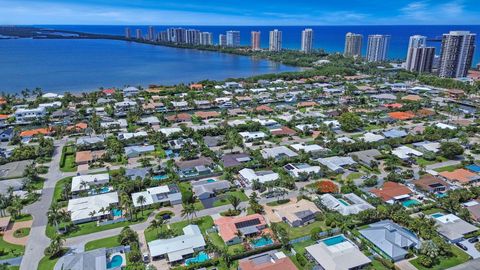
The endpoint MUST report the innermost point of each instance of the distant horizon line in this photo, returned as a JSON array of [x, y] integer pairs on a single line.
[[233, 25]]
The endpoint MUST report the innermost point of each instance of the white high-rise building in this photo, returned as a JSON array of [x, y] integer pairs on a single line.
[[222, 40], [255, 40], [353, 45], [457, 54], [151, 33], [192, 37], [416, 41], [128, 33], [307, 40], [139, 34], [275, 41], [233, 38], [180, 35], [206, 38], [377, 48]]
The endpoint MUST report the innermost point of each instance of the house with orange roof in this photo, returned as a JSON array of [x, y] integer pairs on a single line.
[[86, 157], [392, 192], [3, 101], [108, 92], [283, 131], [3, 119], [34, 132], [263, 108], [77, 127], [207, 114], [455, 93], [180, 117], [393, 105], [196, 86], [461, 176], [425, 113], [306, 104], [401, 115], [412, 98], [233, 229]]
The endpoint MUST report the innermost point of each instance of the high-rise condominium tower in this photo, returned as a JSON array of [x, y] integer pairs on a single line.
[[307, 40], [193, 37], [353, 45], [275, 41], [419, 56], [222, 40], [255, 40], [139, 34], [457, 54], [206, 38], [233, 38], [128, 33], [151, 33], [377, 48]]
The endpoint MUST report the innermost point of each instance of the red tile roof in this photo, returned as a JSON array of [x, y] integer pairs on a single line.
[[401, 115], [33, 132], [228, 230], [390, 190], [283, 131], [460, 175]]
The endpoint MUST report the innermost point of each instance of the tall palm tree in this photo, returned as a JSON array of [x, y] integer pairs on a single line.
[[141, 200], [234, 201], [54, 216], [92, 214], [157, 224], [188, 210]]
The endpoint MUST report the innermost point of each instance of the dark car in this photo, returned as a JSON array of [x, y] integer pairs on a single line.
[[473, 240], [462, 246]]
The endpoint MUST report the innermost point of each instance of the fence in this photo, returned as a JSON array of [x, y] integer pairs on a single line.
[[309, 237], [113, 221]]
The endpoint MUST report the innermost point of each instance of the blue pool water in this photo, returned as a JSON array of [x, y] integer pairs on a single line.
[[441, 195], [473, 168], [261, 242], [116, 212], [201, 257], [334, 240], [410, 202], [116, 261], [160, 177], [169, 153], [211, 180], [343, 202], [437, 215], [104, 190]]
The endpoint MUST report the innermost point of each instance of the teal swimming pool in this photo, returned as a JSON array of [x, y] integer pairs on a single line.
[[201, 257], [116, 212], [160, 177], [261, 242], [411, 202], [437, 215], [115, 261], [343, 202], [211, 180], [334, 240]]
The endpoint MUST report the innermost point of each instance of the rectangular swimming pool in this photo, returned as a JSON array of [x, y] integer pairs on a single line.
[[410, 203], [201, 257], [334, 240], [343, 202], [261, 242], [437, 215]]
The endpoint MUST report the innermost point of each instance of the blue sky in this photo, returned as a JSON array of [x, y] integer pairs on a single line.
[[240, 12]]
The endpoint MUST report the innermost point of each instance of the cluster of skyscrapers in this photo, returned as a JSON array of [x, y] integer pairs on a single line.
[[275, 40], [174, 35], [454, 62]]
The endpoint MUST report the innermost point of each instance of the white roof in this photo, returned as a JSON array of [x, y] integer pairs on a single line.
[[170, 131], [307, 147], [354, 205], [278, 151], [89, 179], [262, 177], [252, 135], [444, 126], [177, 247], [153, 195], [372, 137], [336, 163], [405, 152], [344, 140], [81, 208], [129, 135], [429, 146]]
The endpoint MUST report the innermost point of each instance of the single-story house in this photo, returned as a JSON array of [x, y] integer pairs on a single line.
[[269, 260], [395, 133], [297, 169], [392, 239], [432, 184], [249, 175], [252, 136], [336, 163], [347, 205], [405, 152], [205, 189], [298, 213], [194, 167], [137, 172], [427, 146], [461, 176], [94, 259], [87, 209], [474, 208], [371, 137], [335, 253], [160, 194], [138, 150], [232, 160], [308, 148], [87, 157], [228, 227], [392, 192], [366, 157], [178, 248], [452, 228], [88, 181], [278, 153]]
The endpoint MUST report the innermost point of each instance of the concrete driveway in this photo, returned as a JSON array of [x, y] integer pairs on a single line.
[[472, 251]]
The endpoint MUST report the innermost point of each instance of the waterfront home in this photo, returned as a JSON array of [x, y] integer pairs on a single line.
[[348, 204], [27, 115], [249, 175], [296, 170], [297, 213], [180, 105], [138, 150], [452, 228], [208, 188], [207, 114], [392, 192], [335, 253], [392, 239], [270, 260], [178, 248], [336, 163], [277, 153], [88, 182], [460, 176], [168, 194], [228, 227], [89, 208]]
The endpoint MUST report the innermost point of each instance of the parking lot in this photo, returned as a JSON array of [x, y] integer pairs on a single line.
[[472, 251]]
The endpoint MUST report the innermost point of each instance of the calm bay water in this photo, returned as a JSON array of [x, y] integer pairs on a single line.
[[83, 65]]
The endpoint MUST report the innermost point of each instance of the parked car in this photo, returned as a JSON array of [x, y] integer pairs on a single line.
[[462, 246], [146, 258], [473, 240]]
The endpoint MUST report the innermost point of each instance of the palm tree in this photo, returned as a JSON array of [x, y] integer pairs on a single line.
[[188, 210], [56, 246], [141, 200], [54, 215], [234, 201], [92, 214], [156, 224]]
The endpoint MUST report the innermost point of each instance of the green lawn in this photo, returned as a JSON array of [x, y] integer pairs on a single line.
[[296, 232], [57, 193], [433, 211], [279, 202], [458, 257], [218, 241], [450, 168], [69, 159], [22, 232], [204, 223], [108, 242], [377, 265], [354, 175], [300, 248], [186, 186], [23, 217], [47, 264], [10, 250], [422, 161], [91, 227], [223, 198]]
